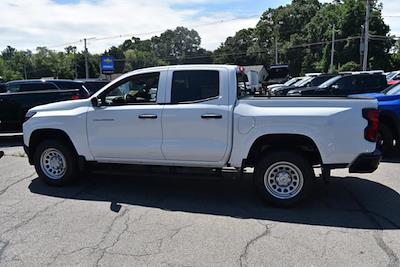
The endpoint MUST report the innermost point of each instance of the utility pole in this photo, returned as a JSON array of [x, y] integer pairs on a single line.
[[86, 60], [276, 50], [332, 68], [25, 73], [276, 42], [366, 38]]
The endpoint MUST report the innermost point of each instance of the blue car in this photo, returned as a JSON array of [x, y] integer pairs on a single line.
[[389, 118]]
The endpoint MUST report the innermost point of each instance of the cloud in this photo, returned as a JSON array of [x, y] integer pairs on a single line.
[[56, 23], [28, 24]]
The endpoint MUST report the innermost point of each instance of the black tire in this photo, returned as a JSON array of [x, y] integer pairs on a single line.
[[385, 140], [295, 166], [71, 171]]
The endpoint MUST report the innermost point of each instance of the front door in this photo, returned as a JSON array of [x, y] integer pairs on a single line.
[[196, 119], [126, 127]]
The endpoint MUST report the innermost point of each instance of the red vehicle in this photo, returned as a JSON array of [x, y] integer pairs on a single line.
[[393, 78]]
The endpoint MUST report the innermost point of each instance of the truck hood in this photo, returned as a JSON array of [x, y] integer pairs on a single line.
[[63, 105]]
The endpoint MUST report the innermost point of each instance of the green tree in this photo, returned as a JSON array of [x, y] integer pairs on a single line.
[[174, 45], [240, 49], [136, 59]]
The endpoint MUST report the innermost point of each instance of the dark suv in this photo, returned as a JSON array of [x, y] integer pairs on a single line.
[[344, 85], [305, 83], [17, 97]]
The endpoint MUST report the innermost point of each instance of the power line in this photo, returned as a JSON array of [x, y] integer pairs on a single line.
[[117, 36]]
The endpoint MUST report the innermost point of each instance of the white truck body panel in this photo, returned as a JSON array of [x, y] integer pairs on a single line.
[[179, 137]]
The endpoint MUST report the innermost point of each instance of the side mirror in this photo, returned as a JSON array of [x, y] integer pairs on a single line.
[[3, 89], [335, 87], [95, 101]]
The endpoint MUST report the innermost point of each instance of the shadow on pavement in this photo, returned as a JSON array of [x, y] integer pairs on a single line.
[[11, 140], [349, 202]]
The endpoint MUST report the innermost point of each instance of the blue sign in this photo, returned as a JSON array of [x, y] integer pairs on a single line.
[[107, 65]]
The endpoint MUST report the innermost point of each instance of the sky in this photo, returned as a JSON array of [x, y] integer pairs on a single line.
[[26, 24]]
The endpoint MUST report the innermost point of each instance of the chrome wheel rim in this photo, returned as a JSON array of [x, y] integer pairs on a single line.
[[53, 163], [283, 180]]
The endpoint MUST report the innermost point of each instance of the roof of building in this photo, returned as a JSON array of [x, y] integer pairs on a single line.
[[257, 68]]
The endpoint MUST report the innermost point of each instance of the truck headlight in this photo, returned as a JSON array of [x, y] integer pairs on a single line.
[[29, 115]]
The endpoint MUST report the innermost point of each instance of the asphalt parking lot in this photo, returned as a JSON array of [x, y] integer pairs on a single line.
[[116, 220]]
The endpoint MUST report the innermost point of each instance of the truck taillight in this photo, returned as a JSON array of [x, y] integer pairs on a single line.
[[75, 97], [371, 132]]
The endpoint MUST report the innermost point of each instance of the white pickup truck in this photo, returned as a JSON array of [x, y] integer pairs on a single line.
[[196, 116]]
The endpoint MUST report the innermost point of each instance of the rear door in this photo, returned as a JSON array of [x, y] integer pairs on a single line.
[[9, 110], [196, 117]]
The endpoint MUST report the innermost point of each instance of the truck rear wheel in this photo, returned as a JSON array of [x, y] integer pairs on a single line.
[[284, 178], [55, 163]]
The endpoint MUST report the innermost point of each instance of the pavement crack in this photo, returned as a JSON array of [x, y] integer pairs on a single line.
[[107, 232], [2, 191], [377, 234], [243, 256], [3, 246], [178, 230], [393, 259], [35, 215]]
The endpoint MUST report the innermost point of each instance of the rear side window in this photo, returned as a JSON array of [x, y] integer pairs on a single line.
[[188, 86], [68, 85], [31, 87], [375, 82]]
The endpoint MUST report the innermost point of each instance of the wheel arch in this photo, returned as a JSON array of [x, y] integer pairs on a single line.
[[41, 135], [390, 119], [297, 142]]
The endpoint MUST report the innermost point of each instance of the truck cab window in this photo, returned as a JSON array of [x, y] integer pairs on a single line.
[[196, 85], [138, 89]]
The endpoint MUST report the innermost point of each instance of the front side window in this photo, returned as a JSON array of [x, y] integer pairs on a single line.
[[188, 86], [345, 83], [138, 89], [13, 87]]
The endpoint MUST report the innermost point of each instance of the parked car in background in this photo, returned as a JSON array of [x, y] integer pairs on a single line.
[[343, 85], [393, 77], [288, 83], [308, 81], [20, 96], [194, 116], [389, 118]]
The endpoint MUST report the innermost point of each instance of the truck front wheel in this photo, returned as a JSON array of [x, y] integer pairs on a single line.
[[284, 178], [55, 163]]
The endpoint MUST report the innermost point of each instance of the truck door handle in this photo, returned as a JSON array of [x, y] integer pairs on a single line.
[[147, 116], [211, 116]]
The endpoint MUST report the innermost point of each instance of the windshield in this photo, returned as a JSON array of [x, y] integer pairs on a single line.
[[93, 87], [391, 75], [392, 90], [291, 81], [329, 82], [303, 81]]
